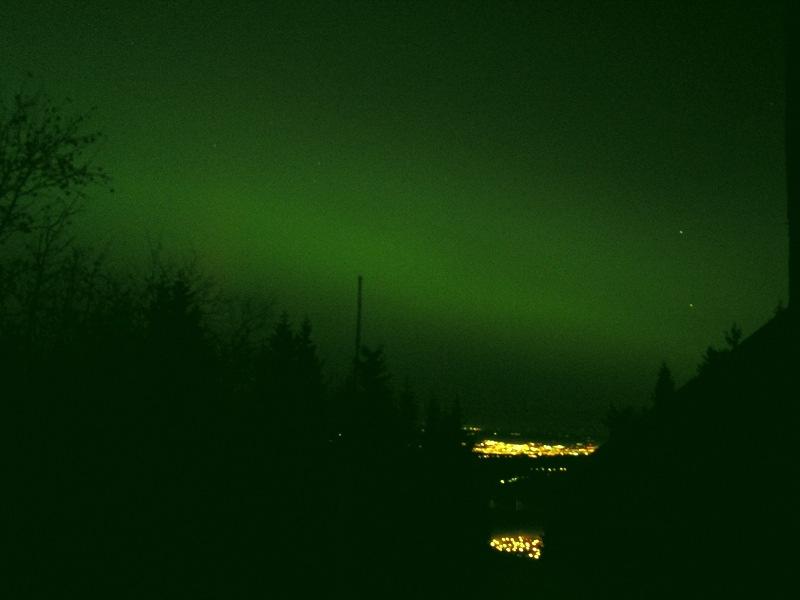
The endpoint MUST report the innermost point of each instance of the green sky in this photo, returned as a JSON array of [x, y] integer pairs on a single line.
[[546, 199]]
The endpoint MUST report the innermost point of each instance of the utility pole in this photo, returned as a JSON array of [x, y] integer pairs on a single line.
[[358, 329], [792, 156]]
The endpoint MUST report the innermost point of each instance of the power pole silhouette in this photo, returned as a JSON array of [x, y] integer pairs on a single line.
[[793, 155], [358, 332]]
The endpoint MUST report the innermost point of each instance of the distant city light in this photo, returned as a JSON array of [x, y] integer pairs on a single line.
[[487, 448], [520, 545], [517, 478]]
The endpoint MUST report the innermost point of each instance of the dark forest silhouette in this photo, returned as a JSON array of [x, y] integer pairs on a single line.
[[164, 440]]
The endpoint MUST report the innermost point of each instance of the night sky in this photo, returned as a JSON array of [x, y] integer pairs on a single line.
[[545, 199]]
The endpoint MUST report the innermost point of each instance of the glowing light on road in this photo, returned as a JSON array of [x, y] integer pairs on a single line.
[[523, 545]]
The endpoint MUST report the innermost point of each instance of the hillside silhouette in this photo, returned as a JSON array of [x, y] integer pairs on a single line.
[[697, 496]]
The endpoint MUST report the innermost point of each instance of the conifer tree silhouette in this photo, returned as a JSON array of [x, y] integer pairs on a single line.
[[665, 388]]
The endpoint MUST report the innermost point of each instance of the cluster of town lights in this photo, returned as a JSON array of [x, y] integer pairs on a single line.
[[519, 545], [486, 448]]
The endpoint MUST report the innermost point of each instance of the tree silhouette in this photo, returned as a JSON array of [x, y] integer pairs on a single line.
[[713, 359], [665, 388], [45, 174], [375, 376], [433, 418], [290, 382], [278, 370], [45, 167], [374, 417], [454, 422], [619, 421], [733, 336], [407, 413], [310, 380]]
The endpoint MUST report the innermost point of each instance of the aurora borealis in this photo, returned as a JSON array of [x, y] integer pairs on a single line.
[[546, 199]]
